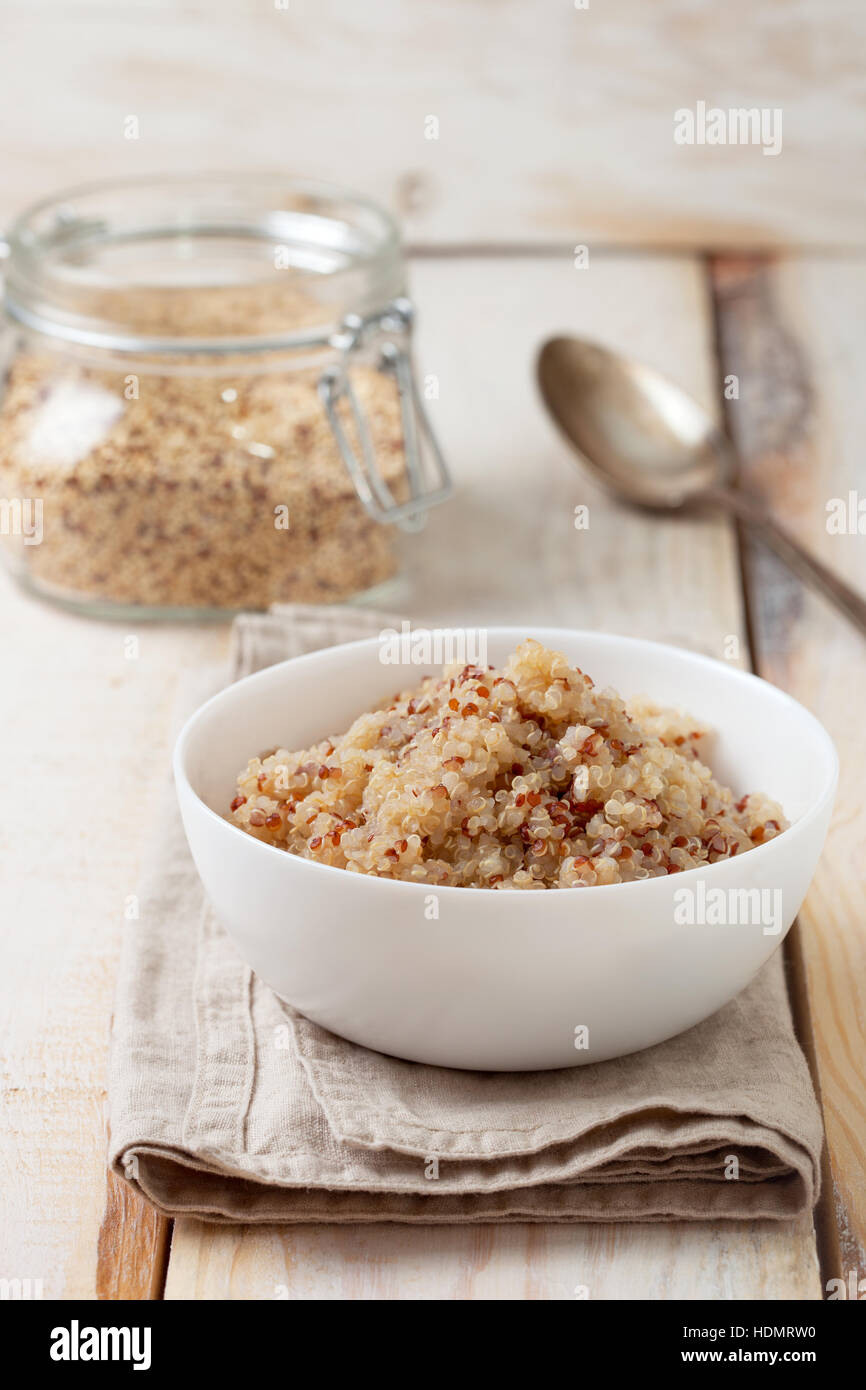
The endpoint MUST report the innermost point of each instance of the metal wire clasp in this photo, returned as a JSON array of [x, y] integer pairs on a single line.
[[388, 334]]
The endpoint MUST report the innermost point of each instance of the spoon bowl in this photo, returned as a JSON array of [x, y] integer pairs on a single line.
[[640, 434], [649, 443]]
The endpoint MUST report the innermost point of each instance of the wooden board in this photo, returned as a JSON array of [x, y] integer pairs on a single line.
[[86, 737], [555, 120], [794, 334], [132, 1249], [515, 1263]]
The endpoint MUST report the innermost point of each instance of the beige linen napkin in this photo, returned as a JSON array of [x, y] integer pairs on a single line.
[[226, 1105]]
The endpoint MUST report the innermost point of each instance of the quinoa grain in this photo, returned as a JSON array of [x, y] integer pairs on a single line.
[[470, 800]]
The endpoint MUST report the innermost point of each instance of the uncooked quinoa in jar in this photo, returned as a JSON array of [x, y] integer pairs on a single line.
[[207, 397], [519, 777]]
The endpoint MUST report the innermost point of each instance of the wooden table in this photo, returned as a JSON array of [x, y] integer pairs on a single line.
[[86, 735]]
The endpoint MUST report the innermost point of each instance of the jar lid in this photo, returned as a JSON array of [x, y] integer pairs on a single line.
[[206, 263]]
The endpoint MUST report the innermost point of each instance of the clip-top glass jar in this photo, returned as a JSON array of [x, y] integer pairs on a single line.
[[209, 402]]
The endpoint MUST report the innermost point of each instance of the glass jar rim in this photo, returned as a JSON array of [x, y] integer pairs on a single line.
[[328, 234]]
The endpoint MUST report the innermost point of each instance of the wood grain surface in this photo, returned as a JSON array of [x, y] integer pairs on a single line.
[[555, 120], [132, 1247], [793, 332], [86, 737], [693, 1262]]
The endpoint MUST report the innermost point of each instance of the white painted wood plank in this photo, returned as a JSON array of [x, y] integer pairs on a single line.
[[514, 1263], [555, 123], [507, 550], [85, 743]]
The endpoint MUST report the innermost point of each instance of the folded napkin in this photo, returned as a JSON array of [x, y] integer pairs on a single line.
[[227, 1105]]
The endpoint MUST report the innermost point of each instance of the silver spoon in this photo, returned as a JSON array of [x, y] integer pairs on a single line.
[[651, 444]]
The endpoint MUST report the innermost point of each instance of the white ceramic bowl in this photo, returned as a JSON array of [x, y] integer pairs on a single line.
[[501, 980]]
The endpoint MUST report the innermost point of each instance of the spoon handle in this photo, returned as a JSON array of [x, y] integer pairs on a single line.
[[799, 560]]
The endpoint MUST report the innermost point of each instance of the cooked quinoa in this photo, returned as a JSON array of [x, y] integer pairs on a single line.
[[524, 777]]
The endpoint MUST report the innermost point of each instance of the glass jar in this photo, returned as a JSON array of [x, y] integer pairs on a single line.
[[209, 401]]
